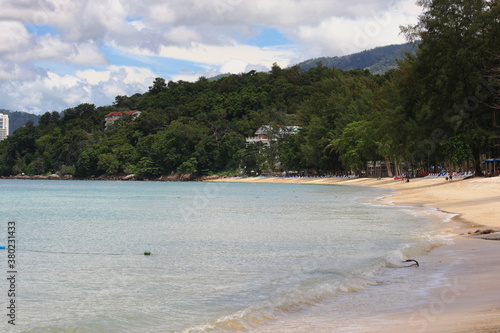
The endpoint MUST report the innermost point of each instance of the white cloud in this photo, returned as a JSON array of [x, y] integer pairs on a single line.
[[93, 77], [134, 75], [58, 92], [13, 36], [48, 47], [162, 13], [234, 66], [11, 71], [339, 35], [209, 33], [86, 54], [220, 55], [182, 35]]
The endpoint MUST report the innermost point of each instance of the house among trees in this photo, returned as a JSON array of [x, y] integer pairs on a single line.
[[111, 117], [267, 133]]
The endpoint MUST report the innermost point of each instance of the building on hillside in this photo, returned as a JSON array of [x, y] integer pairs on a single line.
[[111, 117], [265, 134], [4, 126]]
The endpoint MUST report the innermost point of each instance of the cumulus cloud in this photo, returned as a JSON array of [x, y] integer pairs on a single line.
[[93, 77], [182, 35], [13, 37], [48, 47], [213, 34], [11, 71], [57, 92], [341, 36], [221, 55]]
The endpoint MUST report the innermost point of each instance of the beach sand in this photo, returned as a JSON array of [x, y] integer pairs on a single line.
[[467, 297]]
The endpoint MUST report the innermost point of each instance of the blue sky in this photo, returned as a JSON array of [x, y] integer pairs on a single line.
[[268, 37], [56, 54]]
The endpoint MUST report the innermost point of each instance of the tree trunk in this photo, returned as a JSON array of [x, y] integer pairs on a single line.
[[388, 166], [477, 162]]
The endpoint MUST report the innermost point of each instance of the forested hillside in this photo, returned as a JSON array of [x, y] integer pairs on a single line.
[[197, 127], [18, 119], [378, 60], [435, 109]]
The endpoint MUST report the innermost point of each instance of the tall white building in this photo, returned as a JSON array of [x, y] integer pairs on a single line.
[[4, 126]]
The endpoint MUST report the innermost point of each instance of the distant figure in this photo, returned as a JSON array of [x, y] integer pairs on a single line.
[[451, 176]]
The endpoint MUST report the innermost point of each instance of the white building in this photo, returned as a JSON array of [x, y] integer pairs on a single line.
[[262, 134], [4, 126]]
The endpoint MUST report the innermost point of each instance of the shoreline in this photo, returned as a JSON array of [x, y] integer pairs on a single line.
[[474, 200], [465, 299]]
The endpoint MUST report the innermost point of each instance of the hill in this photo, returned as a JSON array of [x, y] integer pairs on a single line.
[[378, 60], [218, 77], [18, 119]]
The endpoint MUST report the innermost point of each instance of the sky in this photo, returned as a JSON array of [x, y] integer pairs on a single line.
[[56, 54]]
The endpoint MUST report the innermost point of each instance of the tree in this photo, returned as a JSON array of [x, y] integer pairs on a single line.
[[124, 103], [460, 42], [158, 86], [456, 149], [146, 167], [108, 164], [49, 118], [354, 145], [188, 167]]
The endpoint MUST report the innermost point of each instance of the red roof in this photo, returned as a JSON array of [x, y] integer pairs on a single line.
[[119, 113]]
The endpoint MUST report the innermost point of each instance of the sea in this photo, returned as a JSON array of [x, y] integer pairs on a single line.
[[117, 256]]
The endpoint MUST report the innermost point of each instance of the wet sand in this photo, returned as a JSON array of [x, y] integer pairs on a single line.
[[467, 297]]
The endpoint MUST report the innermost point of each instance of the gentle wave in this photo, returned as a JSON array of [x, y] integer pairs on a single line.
[[335, 283]]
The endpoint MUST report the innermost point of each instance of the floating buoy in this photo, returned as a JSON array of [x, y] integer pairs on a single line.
[[2, 247], [147, 253]]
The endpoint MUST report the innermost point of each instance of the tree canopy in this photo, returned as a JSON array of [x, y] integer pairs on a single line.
[[439, 107]]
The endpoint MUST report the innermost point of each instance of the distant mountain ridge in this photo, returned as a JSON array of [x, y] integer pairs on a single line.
[[18, 119], [378, 60]]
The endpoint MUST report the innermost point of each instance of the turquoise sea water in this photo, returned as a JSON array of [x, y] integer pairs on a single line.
[[225, 256]]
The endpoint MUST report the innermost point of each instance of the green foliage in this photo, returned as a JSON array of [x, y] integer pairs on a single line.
[[354, 145], [434, 108], [107, 163], [456, 149], [146, 167], [188, 167], [68, 170], [460, 46], [158, 86]]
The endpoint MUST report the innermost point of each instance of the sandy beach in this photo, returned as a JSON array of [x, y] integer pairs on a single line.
[[467, 296]]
